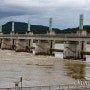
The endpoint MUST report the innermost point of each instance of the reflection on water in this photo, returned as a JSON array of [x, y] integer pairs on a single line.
[[75, 69]]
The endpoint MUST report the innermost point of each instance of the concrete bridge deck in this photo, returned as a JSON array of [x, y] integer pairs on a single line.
[[65, 37]]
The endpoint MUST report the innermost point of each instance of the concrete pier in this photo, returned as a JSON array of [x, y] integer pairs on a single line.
[[20, 45], [23, 44], [43, 46], [8, 43], [29, 42], [13, 41], [0, 34], [72, 49]]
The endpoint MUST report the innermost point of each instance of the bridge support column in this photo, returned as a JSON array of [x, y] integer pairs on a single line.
[[20, 45], [0, 40], [6, 44], [43, 47], [13, 41], [24, 44], [29, 43], [72, 50]]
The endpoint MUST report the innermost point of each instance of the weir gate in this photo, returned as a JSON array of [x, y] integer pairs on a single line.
[[74, 44]]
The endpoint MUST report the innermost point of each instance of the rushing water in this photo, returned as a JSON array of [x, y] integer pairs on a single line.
[[40, 70]]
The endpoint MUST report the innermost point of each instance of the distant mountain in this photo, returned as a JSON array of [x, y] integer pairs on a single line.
[[37, 29], [20, 27]]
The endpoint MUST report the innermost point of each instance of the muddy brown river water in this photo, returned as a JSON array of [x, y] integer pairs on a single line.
[[40, 70]]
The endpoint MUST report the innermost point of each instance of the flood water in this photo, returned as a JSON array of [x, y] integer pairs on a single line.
[[41, 70]]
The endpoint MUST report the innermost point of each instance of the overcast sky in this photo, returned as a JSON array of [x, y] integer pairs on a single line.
[[65, 13]]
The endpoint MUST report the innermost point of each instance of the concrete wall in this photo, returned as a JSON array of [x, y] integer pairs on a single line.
[[6, 44], [23, 44], [20, 45], [72, 50], [43, 47]]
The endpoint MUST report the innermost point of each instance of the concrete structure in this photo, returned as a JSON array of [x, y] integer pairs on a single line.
[[23, 44], [13, 41], [29, 43], [74, 44], [0, 34], [6, 44], [9, 43], [44, 46], [72, 49]]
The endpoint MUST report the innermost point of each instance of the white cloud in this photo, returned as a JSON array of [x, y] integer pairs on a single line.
[[26, 3], [64, 12]]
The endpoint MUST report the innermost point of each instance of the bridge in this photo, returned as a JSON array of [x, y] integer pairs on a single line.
[[74, 44], [71, 37]]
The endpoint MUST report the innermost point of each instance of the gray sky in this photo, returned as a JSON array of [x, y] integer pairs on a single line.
[[65, 13]]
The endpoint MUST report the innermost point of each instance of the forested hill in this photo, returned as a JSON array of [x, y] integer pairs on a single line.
[[37, 29]]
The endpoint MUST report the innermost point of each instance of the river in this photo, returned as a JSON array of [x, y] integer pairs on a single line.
[[41, 70]]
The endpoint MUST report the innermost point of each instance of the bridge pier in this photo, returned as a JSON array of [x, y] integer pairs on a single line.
[[43, 47], [72, 50], [20, 45], [6, 44], [24, 44], [13, 41], [0, 34], [29, 43]]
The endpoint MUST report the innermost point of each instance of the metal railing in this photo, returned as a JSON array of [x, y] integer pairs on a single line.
[[84, 86]]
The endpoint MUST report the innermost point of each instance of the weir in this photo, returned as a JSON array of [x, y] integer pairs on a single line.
[[74, 45]]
